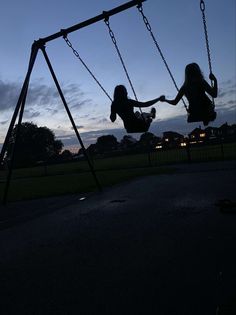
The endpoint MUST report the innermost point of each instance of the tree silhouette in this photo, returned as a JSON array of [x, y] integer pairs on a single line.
[[66, 155], [33, 144], [128, 141], [106, 143], [148, 140]]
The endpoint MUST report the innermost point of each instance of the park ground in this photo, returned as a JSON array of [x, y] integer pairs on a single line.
[[159, 244]]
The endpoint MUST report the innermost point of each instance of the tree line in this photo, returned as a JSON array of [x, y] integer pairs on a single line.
[[32, 145], [36, 145]]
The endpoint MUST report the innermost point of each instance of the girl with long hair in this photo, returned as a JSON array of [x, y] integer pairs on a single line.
[[195, 88], [124, 107]]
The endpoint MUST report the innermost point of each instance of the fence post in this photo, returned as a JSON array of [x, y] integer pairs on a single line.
[[188, 151], [149, 158], [222, 149]]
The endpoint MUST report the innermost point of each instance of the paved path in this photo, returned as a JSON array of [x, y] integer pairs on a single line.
[[156, 245]]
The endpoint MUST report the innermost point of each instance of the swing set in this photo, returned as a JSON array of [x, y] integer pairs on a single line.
[[41, 45]]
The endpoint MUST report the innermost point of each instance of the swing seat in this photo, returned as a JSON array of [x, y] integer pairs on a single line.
[[204, 117], [205, 113], [137, 126]]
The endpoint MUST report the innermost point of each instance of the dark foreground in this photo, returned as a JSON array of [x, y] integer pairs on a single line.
[[156, 245]]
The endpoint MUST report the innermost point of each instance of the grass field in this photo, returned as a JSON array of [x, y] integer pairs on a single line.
[[68, 179], [75, 177]]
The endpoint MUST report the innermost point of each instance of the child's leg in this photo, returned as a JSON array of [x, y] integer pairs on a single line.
[[153, 112], [145, 116], [138, 115]]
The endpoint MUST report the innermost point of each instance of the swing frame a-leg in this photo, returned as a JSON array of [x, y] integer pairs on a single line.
[[40, 44], [19, 110]]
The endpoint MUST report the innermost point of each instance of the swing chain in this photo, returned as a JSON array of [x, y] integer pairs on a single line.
[[148, 26], [112, 35], [75, 52], [202, 7], [77, 55]]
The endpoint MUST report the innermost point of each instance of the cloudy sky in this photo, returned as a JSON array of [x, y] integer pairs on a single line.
[[178, 28]]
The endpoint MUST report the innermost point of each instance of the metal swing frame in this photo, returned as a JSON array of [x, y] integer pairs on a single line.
[[40, 44]]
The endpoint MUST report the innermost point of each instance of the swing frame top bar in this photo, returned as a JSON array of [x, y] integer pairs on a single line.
[[104, 15]]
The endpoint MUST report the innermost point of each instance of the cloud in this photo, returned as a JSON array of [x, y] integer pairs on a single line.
[[99, 120], [78, 127], [44, 95], [9, 93], [227, 89], [4, 122], [226, 101], [51, 111], [29, 114], [78, 103], [102, 121], [226, 92], [229, 83], [84, 116], [41, 95], [222, 93], [90, 137]]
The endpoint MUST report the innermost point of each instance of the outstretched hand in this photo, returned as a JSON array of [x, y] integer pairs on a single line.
[[211, 76], [162, 98]]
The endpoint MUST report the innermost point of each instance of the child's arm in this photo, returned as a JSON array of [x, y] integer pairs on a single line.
[[213, 91], [113, 114], [176, 100], [148, 103]]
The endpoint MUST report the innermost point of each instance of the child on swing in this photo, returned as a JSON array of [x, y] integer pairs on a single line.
[[195, 88], [124, 107]]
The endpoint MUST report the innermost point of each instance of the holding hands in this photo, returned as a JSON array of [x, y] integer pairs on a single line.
[[162, 98]]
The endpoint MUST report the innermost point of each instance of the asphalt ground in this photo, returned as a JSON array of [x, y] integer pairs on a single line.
[[161, 244]]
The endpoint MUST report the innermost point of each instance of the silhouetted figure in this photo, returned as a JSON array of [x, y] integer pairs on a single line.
[[124, 107], [195, 88]]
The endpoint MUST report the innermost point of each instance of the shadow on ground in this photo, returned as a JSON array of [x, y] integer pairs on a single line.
[[156, 245]]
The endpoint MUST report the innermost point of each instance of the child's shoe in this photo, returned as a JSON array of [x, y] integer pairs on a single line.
[[153, 113]]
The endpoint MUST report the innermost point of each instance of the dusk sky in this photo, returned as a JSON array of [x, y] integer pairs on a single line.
[[178, 28]]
